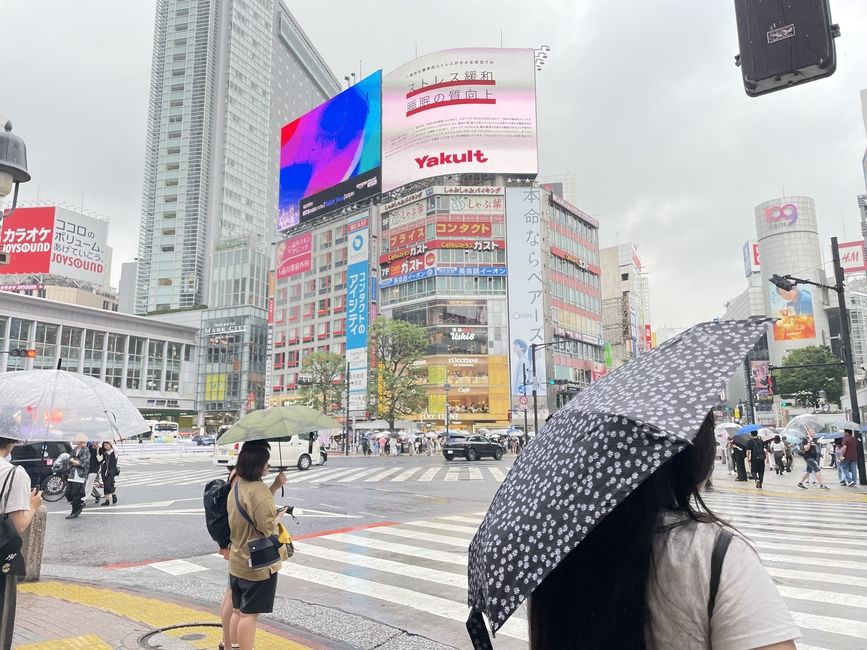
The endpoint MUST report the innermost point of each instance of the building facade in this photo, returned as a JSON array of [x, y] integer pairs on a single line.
[[625, 304], [788, 242], [225, 75], [153, 363]]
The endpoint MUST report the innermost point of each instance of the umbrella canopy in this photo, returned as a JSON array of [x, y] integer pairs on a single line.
[[277, 422], [827, 436], [793, 434], [749, 428], [591, 455], [766, 433], [842, 425], [726, 430], [805, 423], [59, 405]]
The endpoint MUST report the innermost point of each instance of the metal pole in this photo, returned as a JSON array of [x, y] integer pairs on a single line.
[[446, 387], [526, 436], [749, 374], [846, 342], [346, 441], [535, 397]]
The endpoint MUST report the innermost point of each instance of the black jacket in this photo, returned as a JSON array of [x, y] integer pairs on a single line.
[[109, 463], [94, 461]]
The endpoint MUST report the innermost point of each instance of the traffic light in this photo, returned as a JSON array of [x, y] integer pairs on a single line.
[[784, 43], [22, 352], [772, 385]]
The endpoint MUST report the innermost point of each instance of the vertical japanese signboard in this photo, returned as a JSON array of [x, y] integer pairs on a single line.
[[526, 317], [357, 311]]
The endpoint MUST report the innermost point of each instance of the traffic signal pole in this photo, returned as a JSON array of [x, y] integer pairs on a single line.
[[846, 342]]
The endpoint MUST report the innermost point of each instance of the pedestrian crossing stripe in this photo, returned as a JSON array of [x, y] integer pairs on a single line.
[[318, 475], [421, 564]]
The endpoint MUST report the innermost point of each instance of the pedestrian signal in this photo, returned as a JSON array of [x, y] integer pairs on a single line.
[[23, 352]]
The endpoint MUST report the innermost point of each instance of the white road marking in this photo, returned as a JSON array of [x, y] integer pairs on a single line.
[[177, 567], [381, 475], [405, 475], [429, 474]]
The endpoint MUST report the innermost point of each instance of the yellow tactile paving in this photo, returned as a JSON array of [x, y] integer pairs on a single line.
[[153, 613], [87, 642]]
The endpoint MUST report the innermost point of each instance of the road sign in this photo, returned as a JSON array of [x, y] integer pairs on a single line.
[[523, 400]]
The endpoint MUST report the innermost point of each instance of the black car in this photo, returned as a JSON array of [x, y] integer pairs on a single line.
[[471, 448], [38, 457], [203, 439]]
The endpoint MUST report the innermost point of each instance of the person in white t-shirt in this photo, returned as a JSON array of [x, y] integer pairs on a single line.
[[778, 453], [18, 503]]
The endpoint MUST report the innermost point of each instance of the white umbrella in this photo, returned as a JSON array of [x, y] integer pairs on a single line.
[[59, 405]]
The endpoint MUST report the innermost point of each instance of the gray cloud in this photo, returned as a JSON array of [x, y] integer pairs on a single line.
[[640, 99]]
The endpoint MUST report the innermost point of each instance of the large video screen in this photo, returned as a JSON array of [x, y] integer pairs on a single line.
[[331, 156], [459, 111]]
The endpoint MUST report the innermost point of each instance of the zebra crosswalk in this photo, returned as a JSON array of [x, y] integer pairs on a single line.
[[401, 474], [814, 552]]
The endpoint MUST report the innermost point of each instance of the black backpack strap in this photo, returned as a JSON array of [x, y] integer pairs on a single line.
[[720, 548], [3, 493], [243, 511]]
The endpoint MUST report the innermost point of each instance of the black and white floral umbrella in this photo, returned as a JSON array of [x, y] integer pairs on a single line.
[[590, 456]]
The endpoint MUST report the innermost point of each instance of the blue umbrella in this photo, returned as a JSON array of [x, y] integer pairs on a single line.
[[749, 428]]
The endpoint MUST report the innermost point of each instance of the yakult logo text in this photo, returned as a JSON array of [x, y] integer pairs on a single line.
[[787, 213], [444, 158]]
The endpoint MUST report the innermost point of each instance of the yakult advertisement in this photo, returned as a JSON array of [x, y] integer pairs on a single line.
[[56, 241], [459, 112]]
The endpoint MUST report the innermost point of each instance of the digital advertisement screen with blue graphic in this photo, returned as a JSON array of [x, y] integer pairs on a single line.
[[331, 156]]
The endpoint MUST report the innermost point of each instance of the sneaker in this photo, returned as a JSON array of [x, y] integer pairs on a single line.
[[824, 487], [843, 483], [802, 486], [850, 484]]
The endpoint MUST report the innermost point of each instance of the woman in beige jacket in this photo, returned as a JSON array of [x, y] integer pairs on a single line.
[[253, 590]]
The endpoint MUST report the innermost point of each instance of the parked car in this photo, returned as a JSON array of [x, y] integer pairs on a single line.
[[300, 451], [38, 457], [471, 448], [203, 439]]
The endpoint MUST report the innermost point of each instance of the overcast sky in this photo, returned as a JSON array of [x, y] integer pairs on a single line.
[[641, 100]]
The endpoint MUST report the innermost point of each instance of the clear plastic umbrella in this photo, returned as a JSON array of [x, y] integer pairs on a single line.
[[59, 405]]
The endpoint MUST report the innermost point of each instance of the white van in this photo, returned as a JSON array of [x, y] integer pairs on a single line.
[[299, 451], [165, 431]]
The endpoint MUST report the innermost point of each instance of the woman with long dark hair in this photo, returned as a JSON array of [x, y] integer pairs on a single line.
[[108, 461], [643, 577]]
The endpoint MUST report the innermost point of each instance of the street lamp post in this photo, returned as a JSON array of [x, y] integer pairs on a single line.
[[13, 166], [533, 348], [346, 442], [446, 388], [787, 283]]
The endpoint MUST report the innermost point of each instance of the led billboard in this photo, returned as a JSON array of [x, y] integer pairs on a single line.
[[331, 156], [458, 112]]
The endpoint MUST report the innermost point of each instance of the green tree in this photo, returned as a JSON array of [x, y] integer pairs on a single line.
[[323, 370], [398, 386], [809, 381]]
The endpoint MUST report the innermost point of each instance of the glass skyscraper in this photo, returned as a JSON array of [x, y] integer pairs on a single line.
[[226, 74]]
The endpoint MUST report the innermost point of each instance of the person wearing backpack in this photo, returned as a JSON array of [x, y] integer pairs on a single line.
[[217, 521], [756, 456], [18, 503], [810, 452]]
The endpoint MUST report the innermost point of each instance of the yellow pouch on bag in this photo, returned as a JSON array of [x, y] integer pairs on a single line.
[[283, 534]]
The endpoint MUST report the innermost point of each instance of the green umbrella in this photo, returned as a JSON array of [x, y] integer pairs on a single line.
[[277, 422]]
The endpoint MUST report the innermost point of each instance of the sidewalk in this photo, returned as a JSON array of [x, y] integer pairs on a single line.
[[786, 486], [61, 615]]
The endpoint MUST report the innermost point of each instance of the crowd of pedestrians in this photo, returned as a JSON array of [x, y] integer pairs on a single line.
[[91, 466], [747, 461]]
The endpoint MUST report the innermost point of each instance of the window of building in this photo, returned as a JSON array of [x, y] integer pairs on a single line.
[[173, 367], [156, 353], [46, 345], [94, 344], [70, 348], [114, 360], [19, 337]]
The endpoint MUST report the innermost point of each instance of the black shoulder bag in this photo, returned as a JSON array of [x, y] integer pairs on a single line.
[[720, 548], [11, 560], [264, 551]]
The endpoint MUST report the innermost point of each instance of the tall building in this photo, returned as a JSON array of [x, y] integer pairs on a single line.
[[788, 240], [225, 75], [625, 304], [126, 288], [563, 185]]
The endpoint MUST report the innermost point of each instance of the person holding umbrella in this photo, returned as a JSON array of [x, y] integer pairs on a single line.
[[757, 457], [810, 452], [79, 466], [601, 522]]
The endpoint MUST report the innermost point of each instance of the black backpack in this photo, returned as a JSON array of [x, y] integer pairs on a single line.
[[216, 514], [757, 447]]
